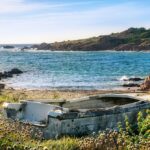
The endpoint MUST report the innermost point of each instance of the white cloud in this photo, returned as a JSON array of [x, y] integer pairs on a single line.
[[17, 6], [49, 26], [9, 6], [127, 12]]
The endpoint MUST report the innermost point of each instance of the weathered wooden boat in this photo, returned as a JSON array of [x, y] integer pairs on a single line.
[[79, 116]]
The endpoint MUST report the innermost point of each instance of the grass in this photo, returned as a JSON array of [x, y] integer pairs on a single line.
[[18, 136], [11, 97]]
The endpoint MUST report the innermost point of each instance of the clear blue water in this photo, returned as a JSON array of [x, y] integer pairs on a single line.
[[74, 70]]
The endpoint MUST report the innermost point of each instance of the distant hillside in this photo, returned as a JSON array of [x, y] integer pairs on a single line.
[[131, 39]]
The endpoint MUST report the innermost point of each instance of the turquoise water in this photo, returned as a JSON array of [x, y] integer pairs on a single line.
[[74, 70]]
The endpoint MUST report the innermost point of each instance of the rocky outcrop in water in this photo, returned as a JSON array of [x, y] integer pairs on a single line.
[[146, 84], [15, 71], [131, 85], [25, 48], [131, 82], [134, 79], [2, 86], [11, 73], [8, 46]]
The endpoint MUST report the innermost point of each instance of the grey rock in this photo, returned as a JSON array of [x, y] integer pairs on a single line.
[[9, 74], [2, 86], [131, 85], [8, 46]]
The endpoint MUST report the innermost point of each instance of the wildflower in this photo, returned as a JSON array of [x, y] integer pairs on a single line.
[[45, 148]]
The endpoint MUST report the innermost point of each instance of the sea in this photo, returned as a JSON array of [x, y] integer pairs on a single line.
[[73, 70]]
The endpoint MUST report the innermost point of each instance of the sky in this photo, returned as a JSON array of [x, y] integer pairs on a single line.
[[37, 21]]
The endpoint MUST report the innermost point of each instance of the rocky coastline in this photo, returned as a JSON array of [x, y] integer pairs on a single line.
[[136, 82], [9, 74], [133, 39], [141, 89], [133, 82]]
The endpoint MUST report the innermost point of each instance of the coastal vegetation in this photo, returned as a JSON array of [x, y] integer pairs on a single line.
[[15, 135], [131, 39]]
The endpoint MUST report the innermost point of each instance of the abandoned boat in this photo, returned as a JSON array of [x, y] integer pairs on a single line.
[[79, 116]]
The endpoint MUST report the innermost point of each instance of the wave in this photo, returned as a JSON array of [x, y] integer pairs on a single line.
[[132, 78], [124, 78], [10, 49]]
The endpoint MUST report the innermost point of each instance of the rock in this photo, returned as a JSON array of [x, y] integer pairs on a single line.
[[25, 48], [146, 84], [1, 74], [2, 86], [131, 85], [43, 46], [125, 47], [15, 71], [9, 74], [8, 47], [136, 79]]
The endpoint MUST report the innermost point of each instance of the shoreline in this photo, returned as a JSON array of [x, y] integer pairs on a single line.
[[42, 95], [41, 50]]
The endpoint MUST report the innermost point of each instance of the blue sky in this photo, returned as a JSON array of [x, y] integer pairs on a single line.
[[36, 21]]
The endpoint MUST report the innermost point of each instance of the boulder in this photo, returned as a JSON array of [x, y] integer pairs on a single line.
[[131, 85], [15, 71], [146, 84], [8, 47], [25, 48], [9, 74], [136, 79], [1, 74], [2, 86]]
